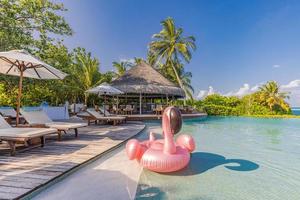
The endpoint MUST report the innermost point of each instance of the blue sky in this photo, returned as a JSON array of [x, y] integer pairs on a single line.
[[240, 43]]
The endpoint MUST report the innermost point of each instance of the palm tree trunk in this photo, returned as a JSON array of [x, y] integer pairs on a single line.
[[179, 81]]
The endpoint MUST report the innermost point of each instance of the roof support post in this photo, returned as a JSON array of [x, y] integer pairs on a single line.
[[117, 104], [167, 99], [140, 103]]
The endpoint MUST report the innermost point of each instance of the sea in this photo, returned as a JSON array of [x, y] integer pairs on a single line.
[[296, 110]]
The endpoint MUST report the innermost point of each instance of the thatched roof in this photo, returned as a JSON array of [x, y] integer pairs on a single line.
[[144, 79]]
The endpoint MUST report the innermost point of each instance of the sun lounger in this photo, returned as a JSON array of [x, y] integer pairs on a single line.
[[14, 135], [8, 112], [115, 119], [38, 118], [105, 112]]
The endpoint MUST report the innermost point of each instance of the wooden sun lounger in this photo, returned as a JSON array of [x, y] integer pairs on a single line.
[[39, 118], [9, 113], [23, 135], [115, 119]]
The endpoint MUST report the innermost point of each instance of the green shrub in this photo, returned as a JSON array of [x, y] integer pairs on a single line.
[[249, 105], [221, 110]]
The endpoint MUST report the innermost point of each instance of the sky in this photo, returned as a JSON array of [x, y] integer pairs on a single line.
[[241, 44]]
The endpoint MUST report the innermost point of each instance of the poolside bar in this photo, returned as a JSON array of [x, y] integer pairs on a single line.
[[143, 86]]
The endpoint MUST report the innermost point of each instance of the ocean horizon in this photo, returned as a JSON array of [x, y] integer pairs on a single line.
[[295, 110]]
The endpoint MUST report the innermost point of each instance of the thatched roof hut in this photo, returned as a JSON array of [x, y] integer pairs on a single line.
[[144, 79]]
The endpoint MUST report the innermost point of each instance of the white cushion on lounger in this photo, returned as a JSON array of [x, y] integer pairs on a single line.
[[36, 116], [40, 117], [25, 132], [65, 125], [97, 115], [106, 112], [6, 131], [3, 123], [8, 111]]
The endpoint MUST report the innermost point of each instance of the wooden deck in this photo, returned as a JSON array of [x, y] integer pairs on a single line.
[[31, 169]]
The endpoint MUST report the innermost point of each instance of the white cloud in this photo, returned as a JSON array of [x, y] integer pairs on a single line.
[[130, 60], [254, 88], [293, 88], [276, 66], [204, 93], [242, 91], [211, 90], [291, 85]]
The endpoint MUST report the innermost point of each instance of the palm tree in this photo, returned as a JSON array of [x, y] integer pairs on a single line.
[[152, 59], [185, 77], [137, 60], [271, 96], [85, 71], [170, 46], [186, 82], [121, 67]]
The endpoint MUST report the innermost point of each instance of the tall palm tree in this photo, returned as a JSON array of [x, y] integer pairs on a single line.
[[170, 47], [184, 76], [271, 96], [121, 67]]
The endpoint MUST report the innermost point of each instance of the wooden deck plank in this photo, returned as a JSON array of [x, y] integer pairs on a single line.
[[32, 168], [16, 178]]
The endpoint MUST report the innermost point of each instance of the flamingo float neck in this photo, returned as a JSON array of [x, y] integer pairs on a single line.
[[169, 144]]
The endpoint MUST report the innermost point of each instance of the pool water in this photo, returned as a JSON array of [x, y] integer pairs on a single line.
[[236, 158]]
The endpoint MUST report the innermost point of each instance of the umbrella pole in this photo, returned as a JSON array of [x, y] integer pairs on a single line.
[[117, 104], [19, 97], [140, 103]]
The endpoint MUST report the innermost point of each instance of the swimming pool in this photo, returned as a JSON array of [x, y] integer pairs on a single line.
[[236, 158]]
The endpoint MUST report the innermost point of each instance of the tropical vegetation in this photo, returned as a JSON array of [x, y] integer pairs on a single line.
[[36, 25], [121, 67], [267, 101]]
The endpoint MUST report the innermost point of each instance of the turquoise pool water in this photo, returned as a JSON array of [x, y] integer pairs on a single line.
[[236, 158]]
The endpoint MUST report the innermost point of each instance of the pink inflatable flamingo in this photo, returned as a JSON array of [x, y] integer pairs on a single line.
[[163, 155]]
